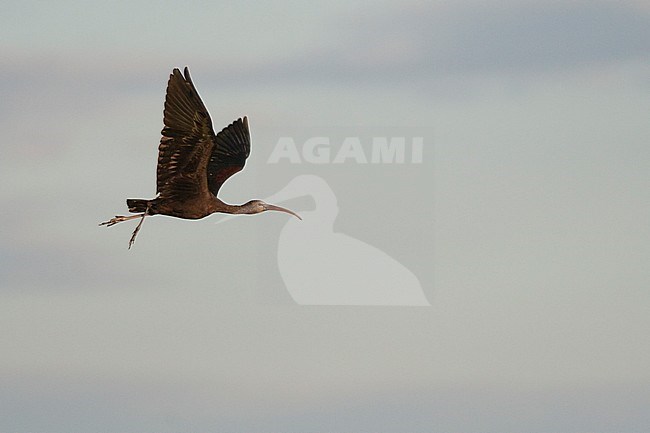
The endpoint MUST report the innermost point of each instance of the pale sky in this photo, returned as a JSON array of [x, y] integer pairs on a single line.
[[526, 223]]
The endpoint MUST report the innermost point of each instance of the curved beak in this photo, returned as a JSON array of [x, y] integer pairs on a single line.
[[280, 209]]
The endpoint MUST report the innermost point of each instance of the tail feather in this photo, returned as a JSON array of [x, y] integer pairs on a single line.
[[137, 205]]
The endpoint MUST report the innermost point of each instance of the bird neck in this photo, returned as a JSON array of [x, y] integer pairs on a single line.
[[241, 208], [236, 209]]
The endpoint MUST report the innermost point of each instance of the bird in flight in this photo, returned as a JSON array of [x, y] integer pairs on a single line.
[[193, 161]]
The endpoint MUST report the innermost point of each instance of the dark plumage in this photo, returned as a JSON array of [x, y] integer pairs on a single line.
[[193, 162]]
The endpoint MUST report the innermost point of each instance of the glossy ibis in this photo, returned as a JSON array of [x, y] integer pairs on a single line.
[[193, 161]]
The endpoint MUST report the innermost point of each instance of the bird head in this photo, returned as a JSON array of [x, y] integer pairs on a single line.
[[258, 206]]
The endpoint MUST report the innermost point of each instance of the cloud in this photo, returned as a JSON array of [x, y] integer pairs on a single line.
[[432, 41], [418, 41], [48, 403], [381, 45]]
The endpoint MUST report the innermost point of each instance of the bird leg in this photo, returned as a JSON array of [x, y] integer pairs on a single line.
[[137, 229], [119, 219]]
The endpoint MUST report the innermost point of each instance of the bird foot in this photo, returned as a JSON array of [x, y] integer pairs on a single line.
[[120, 218], [117, 219]]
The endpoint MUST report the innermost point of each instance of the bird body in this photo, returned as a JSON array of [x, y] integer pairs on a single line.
[[194, 208], [193, 161]]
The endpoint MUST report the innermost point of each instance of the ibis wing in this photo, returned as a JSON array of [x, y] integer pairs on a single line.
[[187, 139], [232, 147]]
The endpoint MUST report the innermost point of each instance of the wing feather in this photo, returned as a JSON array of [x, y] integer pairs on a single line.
[[232, 147], [187, 139]]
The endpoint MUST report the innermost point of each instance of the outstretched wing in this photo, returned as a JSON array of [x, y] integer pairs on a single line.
[[187, 140], [232, 147]]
